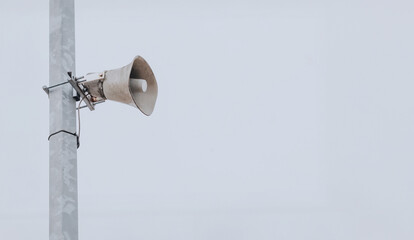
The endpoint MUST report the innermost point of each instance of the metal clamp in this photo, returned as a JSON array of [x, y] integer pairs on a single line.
[[95, 76], [85, 98], [79, 88], [47, 89]]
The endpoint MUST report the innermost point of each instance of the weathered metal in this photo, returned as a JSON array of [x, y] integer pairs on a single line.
[[81, 93], [133, 84], [63, 189]]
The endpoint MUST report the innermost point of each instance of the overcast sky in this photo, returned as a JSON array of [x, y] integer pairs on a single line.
[[274, 120]]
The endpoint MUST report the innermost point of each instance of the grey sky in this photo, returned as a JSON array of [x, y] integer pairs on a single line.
[[275, 120]]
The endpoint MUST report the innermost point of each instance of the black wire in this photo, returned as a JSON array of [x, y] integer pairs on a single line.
[[74, 134]]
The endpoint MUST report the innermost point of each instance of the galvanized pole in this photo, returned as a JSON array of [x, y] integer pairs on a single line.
[[63, 189]]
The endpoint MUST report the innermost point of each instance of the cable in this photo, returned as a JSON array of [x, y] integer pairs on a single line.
[[64, 131], [79, 122], [77, 135]]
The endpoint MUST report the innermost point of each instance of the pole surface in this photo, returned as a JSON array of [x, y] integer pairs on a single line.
[[63, 190]]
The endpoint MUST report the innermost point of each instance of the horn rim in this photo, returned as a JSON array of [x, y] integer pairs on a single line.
[[151, 75]]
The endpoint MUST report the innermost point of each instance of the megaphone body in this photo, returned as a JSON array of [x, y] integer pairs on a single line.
[[133, 84]]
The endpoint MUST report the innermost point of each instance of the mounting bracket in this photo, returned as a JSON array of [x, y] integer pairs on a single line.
[[81, 91]]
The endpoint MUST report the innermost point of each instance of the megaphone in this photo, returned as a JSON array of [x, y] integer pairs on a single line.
[[133, 84]]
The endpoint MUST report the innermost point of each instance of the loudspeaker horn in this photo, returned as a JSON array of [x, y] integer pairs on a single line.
[[133, 84]]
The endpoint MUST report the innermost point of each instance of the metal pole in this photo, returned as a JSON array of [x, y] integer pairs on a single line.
[[63, 190]]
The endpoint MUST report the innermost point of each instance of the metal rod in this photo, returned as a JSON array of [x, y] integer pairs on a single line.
[[84, 106], [95, 103], [46, 88], [59, 84], [63, 189]]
